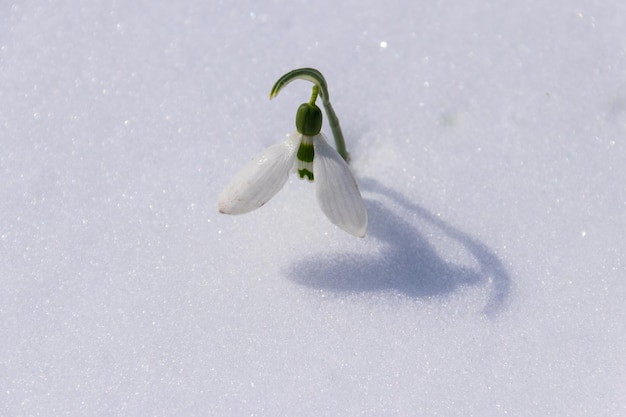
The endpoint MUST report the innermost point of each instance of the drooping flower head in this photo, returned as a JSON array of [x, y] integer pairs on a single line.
[[307, 152]]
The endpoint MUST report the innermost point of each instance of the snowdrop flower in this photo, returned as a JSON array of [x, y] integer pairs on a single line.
[[308, 153]]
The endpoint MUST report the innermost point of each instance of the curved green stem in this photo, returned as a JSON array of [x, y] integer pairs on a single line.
[[316, 77]]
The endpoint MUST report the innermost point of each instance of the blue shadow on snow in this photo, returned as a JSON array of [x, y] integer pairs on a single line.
[[407, 261]]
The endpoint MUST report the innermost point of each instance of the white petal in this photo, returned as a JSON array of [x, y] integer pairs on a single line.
[[261, 178], [336, 190]]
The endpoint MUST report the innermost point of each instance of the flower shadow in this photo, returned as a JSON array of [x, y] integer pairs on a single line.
[[408, 260]]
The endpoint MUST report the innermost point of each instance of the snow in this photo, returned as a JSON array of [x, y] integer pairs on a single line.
[[488, 142]]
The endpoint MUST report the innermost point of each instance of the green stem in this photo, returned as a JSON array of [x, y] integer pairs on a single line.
[[313, 95], [316, 77]]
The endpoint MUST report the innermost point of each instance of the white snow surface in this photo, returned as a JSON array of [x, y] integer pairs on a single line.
[[488, 140]]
